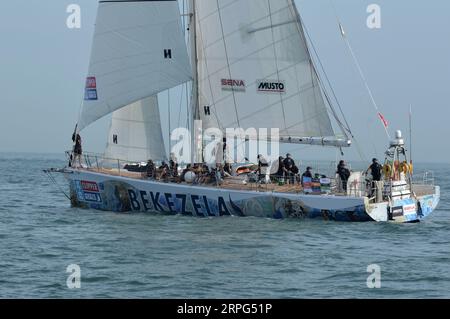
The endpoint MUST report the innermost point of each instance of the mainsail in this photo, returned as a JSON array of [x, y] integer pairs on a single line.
[[255, 71], [138, 51], [135, 134]]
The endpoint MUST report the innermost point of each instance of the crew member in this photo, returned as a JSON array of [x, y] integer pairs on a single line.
[[288, 168], [376, 169], [307, 174], [173, 165], [163, 171], [263, 166], [151, 169], [344, 174], [77, 149]]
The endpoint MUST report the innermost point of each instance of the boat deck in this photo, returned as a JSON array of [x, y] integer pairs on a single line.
[[231, 183], [237, 183]]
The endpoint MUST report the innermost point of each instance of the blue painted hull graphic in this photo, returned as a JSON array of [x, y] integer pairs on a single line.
[[118, 194]]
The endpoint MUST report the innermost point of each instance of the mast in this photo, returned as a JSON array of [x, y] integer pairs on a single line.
[[196, 143]]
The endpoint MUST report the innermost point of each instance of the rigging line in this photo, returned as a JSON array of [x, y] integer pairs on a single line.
[[190, 93], [312, 65], [187, 102], [360, 151], [168, 112], [345, 127], [276, 62], [187, 108], [184, 18], [181, 106], [227, 58], [338, 120], [313, 72], [214, 102], [358, 65], [305, 31], [228, 62], [52, 179], [185, 86], [410, 133]]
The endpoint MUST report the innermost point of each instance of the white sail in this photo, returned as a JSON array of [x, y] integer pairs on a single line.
[[255, 70], [138, 51], [135, 134]]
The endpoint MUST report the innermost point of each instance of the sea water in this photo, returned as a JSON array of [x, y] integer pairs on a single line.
[[115, 255]]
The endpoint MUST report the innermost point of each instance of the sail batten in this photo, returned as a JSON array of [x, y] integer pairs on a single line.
[[138, 51]]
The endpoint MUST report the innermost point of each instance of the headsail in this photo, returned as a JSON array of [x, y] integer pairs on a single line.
[[255, 71], [138, 51], [135, 134]]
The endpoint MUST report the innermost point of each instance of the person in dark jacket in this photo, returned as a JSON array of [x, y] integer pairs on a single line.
[[375, 170], [307, 174], [289, 165], [344, 174], [280, 171], [77, 149], [151, 169], [163, 171]]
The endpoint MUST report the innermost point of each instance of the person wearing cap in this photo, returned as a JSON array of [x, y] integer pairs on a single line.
[[280, 169], [307, 174], [344, 174], [163, 171], [289, 164], [375, 170], [151, 169]]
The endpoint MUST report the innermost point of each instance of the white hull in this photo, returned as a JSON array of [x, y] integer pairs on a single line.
[[99, 191]]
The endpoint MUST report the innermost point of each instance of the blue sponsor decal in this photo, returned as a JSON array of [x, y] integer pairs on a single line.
[[92, 197], [79, 190], [90, 95], [407, 208]]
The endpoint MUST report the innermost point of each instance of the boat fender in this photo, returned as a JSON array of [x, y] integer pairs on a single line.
[[387, 170], [190, 177], [404, 167]]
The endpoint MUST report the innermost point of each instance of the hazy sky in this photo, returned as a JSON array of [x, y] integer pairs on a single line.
[[43, 65]]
